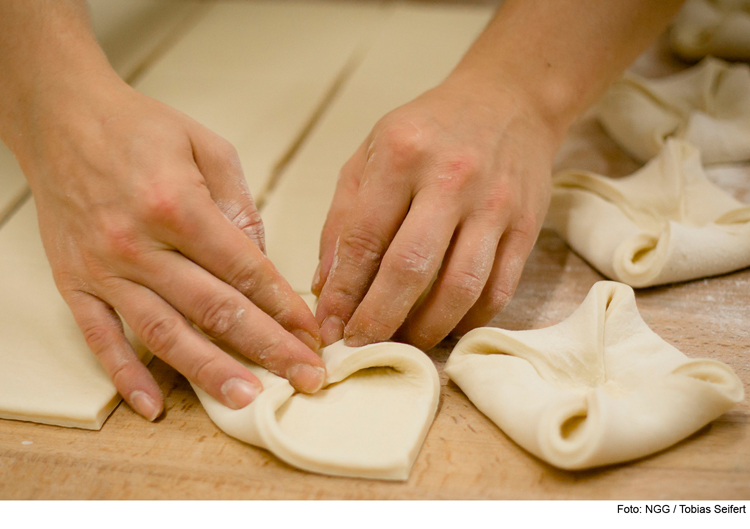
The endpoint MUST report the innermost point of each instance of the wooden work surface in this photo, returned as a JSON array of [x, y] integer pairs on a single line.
[[184, 456]]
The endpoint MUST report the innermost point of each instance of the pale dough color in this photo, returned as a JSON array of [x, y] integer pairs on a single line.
[[663, 224], [596, 389], [712, 27], [707, 105], [368, 421]]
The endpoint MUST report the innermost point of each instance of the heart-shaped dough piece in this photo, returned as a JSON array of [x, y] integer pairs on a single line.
[[369, 420], [712, 27], [708, 105], [596, 389], [663, 224]]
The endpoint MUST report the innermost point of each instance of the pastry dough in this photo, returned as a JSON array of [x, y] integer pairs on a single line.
[[369, 421], [413, 51], [663, 224], [256, 73], [596, 389], [47, 372], [712, 27], [707, 105]]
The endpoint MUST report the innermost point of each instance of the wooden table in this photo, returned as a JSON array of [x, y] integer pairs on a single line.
[[184, 456]]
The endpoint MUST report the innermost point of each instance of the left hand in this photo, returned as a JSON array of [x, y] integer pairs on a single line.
[[453, 186]]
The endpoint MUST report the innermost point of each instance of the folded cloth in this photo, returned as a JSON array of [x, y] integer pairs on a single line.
[[663, 224], [707, 105], [596, 389], [712, 27]]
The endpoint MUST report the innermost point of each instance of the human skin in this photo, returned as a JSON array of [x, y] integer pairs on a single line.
[[454, 186], [145, 212]]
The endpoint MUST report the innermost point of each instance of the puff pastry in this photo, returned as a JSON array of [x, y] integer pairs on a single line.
[[712, 27], [369, 421], [707, 105], [596, 389], [663, 224]]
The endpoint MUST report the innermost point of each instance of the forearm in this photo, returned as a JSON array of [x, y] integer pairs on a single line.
[[47, 47], [563, 54]]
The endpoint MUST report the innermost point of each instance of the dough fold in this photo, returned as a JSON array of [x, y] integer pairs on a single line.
[[596, 389], [712, 27], [665, 223], [369, 420], [707, 105]]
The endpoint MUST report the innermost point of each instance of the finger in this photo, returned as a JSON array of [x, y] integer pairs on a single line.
[[228, 316], [381, 205], [514, 248], [200, 232], [460, 283], [103, 332], [408, 267], [343, 200], [218, 162], [170, 337]]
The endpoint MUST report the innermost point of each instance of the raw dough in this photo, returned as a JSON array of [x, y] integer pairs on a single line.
[[707, 105], [664, 223], [596, 389], [47, 372], [413, 51], [712, 27], [255, 73], [369, 421]]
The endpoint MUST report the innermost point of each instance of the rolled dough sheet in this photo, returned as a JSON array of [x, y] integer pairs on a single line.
[[415, 50], [369, 421], [596, 389], [707, 105], [712, 27], [256, 73], [47, 372], [663, 224]]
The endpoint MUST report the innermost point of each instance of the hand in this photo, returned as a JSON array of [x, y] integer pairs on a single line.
[[452, 186], [145, 212]]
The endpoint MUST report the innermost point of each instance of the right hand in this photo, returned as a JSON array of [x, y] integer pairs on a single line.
[[145, 212]]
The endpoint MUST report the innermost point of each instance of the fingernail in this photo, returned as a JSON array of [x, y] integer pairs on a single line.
[[308, 339], [239, 392], [332, 329], [352, 339], [306, 378], [145, 405], [316, 279]]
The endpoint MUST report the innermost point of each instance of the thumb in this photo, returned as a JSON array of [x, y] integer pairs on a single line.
[[219, 163]]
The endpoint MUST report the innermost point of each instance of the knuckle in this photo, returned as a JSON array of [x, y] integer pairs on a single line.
[[201, 370], [498, 299], [120, 240], [413, 264], [464, 284], [362, 243], [456, 171], [162, 206], [247, 279], [98, 338], [219, 316], [160, 334], [404, 144], [525, 226]]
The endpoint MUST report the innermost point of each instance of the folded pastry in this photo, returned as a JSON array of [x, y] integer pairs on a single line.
[[663, 224], [712, 27], [368, 421], [596, 389], [707, 105]]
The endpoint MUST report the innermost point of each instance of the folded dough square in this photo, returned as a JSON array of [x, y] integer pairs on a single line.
[[596, 389], [663, 224], [708, 105], [712, 27], [369, 420]]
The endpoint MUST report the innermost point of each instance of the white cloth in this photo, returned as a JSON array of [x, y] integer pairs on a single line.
[[596, 389], [663, 224], [712, 27], [707, 105], [369, 420]]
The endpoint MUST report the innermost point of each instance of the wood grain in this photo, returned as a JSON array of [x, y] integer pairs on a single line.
[[465, 456]]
